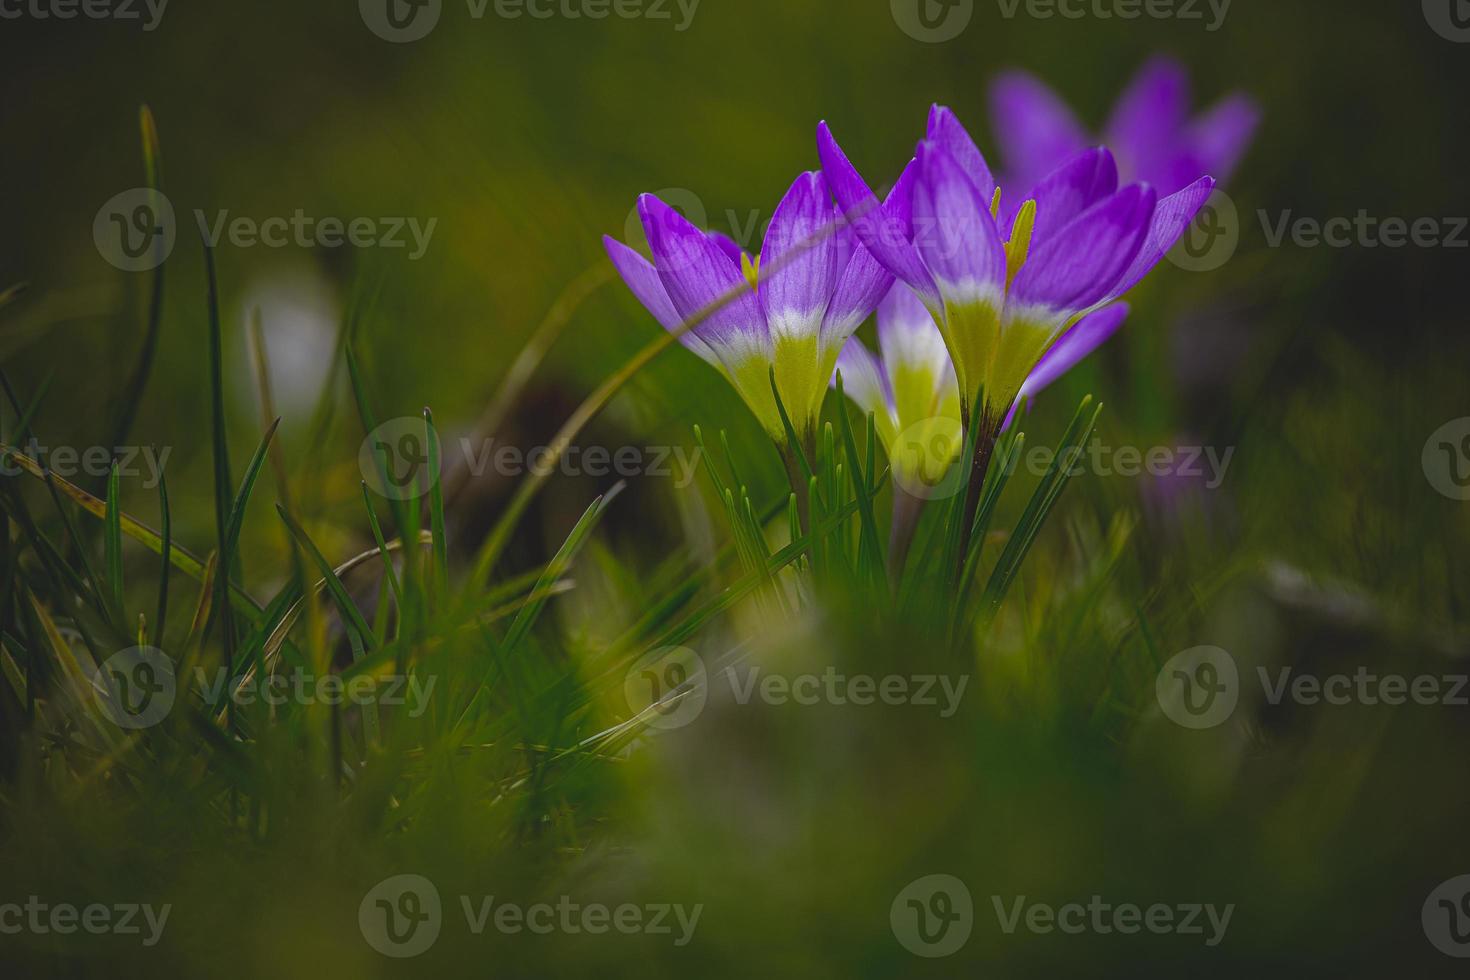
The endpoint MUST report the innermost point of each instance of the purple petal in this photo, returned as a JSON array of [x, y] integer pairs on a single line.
[[862, 284], [1037, 131], [1148, 121], [1071, 189], [728, 245], [643, 281], [701, 279], [799, 257], [1076, 267], [946, 130], [1170, 220], [885, 230], [1220, 137], [1085, 336], [954, 231]]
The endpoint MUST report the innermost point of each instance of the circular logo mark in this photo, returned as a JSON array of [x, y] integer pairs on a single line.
[[1450, 19], [1210, 239], [1446, 917], [1199, 688], [135, 688], [400, 21], [1447, 459], [400, 916], [397, 458], [924, 456], [667, 687], [932, 21], [933, 916], [135, 230]]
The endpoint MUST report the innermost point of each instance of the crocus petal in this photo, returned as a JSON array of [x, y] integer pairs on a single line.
[[1077, 266], [1069, 190], [728, 245], [884, 229], [862, 284], [1170, 220], [954, 231], [702, 281], [1150, 115], [863, 379], [799, 260], [643, 281], [1035, 128], [946, 130], [1084, 337], [907, 333], [1219, 138]]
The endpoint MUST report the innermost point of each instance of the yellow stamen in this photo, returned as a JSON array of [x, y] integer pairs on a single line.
[[1019, 247], [751, 267], [995, 205]]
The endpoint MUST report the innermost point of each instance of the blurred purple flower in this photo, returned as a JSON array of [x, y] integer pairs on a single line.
[[1149, 131]]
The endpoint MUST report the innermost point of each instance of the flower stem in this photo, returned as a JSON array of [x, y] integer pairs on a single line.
[[907, 509], [796, 474], [985, 434]]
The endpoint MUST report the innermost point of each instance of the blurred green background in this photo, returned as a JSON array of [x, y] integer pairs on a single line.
[[528, 140]]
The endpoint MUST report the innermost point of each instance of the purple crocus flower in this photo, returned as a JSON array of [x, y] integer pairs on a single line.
[[1150, 130], [1006, 279], [910, 387], [791, 307]]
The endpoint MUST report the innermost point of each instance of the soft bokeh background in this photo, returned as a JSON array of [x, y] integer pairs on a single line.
[[528, 140]]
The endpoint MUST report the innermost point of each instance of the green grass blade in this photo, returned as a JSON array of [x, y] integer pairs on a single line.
[[335, 588], [112, 538]]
